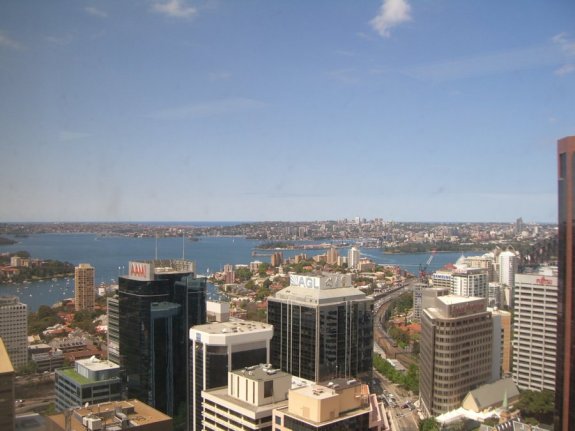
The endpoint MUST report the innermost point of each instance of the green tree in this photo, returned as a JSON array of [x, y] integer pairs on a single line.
[[538, 405], [429, 424], [263, 268], [243, 274]]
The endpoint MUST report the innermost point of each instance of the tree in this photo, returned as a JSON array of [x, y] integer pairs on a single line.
[[538, 405], [243, 274], [429, 424]]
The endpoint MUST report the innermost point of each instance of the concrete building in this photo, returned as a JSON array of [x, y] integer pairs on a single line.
[[7, 375], [158, 302], [323, 328], [503, 319], [14, 329], [332, 255], [535, 344], [113, 334], [456, 350], [442, 277], [483, 262], [248, 400], [84, 287], [216, 349], [508, 267], [418, 289], [217, 311], [340, 404], [90, 381], [131, 415], [565, 377], [469, 282], [352, 258]]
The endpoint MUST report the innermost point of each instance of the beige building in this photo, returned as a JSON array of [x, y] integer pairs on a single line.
[[132, 415], [84, 291], [14, 329], [247, 402], [339, 404], [504, 318], [6, 390], [456, 350]]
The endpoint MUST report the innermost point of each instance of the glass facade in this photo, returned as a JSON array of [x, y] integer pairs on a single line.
[[154, 320], [322, 342]]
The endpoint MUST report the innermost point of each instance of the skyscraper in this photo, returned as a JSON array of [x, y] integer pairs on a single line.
[[84, 291], [323, 328], [535, 327], [216, 349], [158, 301], [14, 329], [565, 376], [456, 350]]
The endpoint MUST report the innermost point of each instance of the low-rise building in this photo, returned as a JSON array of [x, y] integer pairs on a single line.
[[339, 404], [90, 381], [132, 415]]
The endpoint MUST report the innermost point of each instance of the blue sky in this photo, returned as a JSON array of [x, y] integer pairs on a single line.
[[428, 110]]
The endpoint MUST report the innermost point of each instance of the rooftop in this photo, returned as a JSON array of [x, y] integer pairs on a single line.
[[231, 327], [95, 364], [111, 413], [262, 372]]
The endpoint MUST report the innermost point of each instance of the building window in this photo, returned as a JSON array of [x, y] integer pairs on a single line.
[[278, 420], [268, 389]]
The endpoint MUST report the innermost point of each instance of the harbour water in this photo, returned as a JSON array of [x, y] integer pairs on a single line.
[[110, 257]]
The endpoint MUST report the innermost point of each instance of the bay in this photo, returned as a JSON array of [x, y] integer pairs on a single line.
[[110, 257]]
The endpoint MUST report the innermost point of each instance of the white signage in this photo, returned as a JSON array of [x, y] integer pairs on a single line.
[[304, 281]]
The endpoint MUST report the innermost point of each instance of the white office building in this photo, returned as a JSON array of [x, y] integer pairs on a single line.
[[470, 282], [535, 344]]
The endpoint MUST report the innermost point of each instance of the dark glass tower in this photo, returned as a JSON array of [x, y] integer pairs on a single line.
[[323, 328], [158, 302], [565, 377]]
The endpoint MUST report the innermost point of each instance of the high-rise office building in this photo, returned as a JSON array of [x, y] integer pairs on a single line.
[[84, 287], [14, 329], [323, 328], [565, 377], [469, 282], [456, 350], [113, 329], [535, 327], [158, 301], [220, 347]]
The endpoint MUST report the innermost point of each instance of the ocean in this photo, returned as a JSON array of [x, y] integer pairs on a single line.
[[110, 257]]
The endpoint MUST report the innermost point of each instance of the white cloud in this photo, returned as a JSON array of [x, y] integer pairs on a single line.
[[566, 45], [391, 13], [6, 42], [488, 64], [96, 12], [210, 109], [565, 69], [175, 8]]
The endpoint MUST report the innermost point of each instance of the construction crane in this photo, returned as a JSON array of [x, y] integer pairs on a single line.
[[423, 267]]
